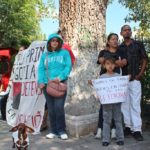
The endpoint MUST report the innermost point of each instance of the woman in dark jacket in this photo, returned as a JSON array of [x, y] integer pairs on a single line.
[[111, 50]]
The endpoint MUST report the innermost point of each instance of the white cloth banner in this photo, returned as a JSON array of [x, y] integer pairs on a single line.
[[111, 90], [26, 101]]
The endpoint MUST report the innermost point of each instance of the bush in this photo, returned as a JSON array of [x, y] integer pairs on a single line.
[[146, 84]]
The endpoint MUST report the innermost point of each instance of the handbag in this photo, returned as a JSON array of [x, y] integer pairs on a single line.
[[55, 89]]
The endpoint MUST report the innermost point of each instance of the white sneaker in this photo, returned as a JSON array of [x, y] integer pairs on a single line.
[[98, 134], [64, 136], [113, 133], [36, 133], [51, 136]]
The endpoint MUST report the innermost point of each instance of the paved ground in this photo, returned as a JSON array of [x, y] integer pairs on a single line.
[[39, 142]]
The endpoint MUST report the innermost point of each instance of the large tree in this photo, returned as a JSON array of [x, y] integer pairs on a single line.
[[19, 20], [83, 25], [83, 22]]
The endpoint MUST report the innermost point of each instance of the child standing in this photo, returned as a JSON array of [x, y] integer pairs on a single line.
[[111, 111]]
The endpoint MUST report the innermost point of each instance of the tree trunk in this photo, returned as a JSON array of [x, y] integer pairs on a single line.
[[83, 26]]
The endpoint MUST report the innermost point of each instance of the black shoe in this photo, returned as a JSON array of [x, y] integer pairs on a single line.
[[105, 143], [120, 143], [43, 129], [127, 132], [138, 136]]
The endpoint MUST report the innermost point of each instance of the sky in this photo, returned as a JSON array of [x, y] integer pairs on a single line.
[[115, 15]]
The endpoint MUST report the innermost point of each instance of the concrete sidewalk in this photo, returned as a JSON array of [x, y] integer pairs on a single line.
[[39, 142]]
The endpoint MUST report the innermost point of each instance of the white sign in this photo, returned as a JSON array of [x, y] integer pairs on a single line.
[[111, 90], [26, 101]]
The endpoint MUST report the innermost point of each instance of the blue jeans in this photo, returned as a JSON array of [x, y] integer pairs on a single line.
[[112, 111], [56, 112], [100, 120]]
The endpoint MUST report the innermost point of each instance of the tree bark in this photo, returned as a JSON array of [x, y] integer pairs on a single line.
[[83, 25]]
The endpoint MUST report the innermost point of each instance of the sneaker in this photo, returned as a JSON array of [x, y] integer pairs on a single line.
[[64, 136], [98, 134], [138, 136], [120, 143], [36, 133], [127, 132], [51, 136], [105, 143], [113, 133]]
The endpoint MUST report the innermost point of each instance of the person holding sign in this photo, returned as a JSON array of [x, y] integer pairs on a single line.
[[137, 61], [55, 65], [111, 50], [111, 111]]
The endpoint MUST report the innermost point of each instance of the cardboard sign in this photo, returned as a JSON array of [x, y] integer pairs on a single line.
[[111, 90]]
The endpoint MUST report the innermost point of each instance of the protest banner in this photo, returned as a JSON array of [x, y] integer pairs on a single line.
[[111, 90], [26, 101]]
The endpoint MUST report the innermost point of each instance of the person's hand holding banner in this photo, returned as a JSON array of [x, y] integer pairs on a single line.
[[41, 86]]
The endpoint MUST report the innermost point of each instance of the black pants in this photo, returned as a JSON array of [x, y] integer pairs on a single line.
[[3, 106], [100, 120]]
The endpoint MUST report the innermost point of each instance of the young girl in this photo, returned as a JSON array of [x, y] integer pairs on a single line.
[[55, 64], [111, 111], [120, 61]]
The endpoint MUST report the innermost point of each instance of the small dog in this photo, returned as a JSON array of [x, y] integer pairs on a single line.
[[20, 136]]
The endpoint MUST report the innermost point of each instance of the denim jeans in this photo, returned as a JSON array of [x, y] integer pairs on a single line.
[[112, 111], [100, 119], [56, 112]]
